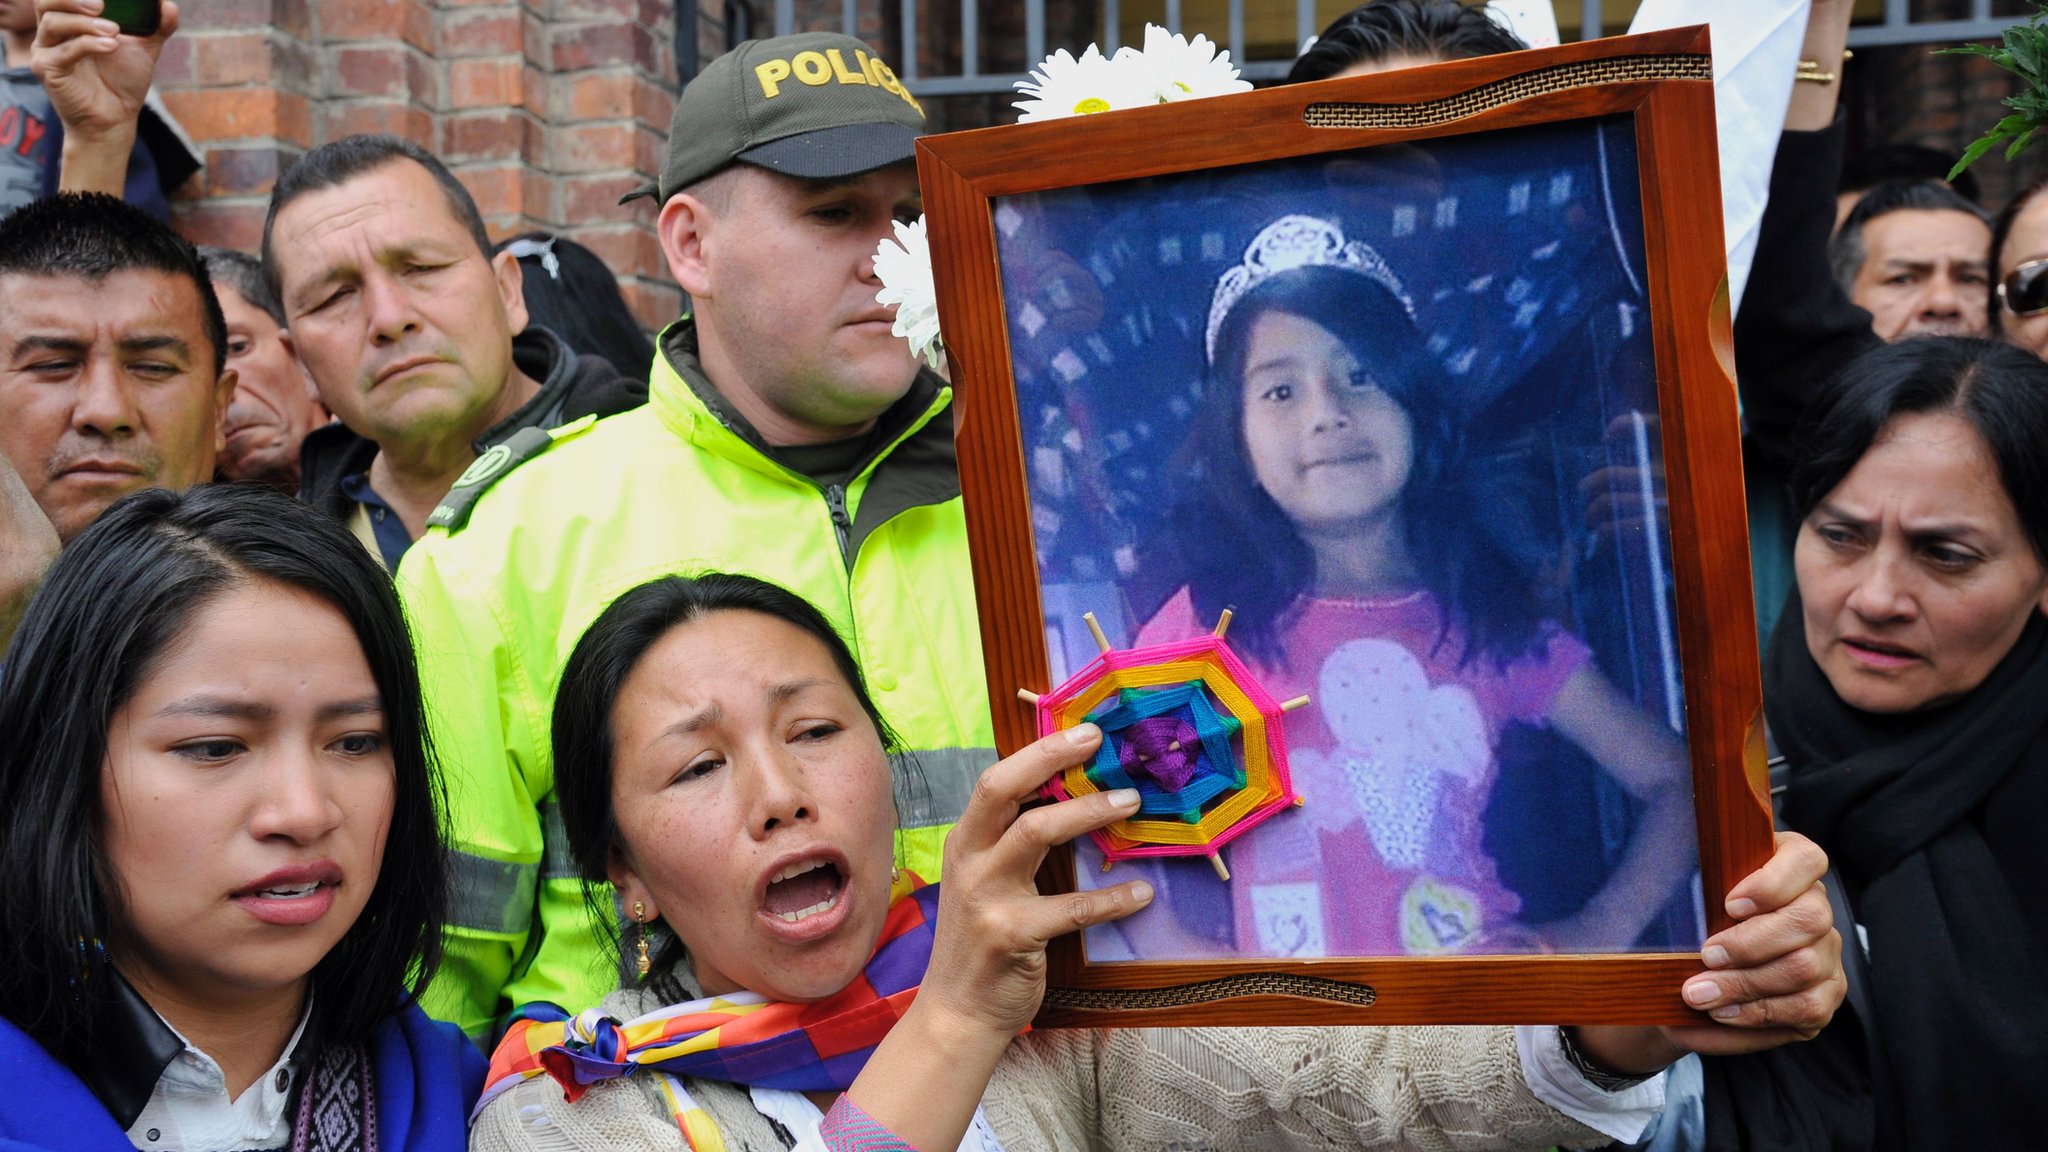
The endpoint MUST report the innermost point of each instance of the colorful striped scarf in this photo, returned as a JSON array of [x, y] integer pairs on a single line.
[[739, 1038]]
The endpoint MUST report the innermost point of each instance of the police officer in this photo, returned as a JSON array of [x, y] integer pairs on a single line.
[[788, 434]]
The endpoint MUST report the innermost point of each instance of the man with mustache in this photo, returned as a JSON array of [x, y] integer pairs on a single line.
[[1914, 254], [112, 350], [414, 334]]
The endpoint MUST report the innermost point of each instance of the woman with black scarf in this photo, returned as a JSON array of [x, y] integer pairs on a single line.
[[1906, 686]]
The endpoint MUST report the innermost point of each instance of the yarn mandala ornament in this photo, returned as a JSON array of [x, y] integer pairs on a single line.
[[1190, 728]]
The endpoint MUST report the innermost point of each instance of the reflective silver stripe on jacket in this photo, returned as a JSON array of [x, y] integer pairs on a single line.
[[933, 785], [490, 895], [557, 862]]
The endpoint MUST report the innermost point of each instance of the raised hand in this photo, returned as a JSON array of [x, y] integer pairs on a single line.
[[987, 972], [97, 79]]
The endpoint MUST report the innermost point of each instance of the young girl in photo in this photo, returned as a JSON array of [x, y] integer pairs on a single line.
[[1371, 566]]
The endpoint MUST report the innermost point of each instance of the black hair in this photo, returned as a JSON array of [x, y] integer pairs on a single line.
[[339, 161], [597, 670], [570, 291], [2001, 230], [119, 595], [2001, 390], [1846, 252], [91, 235], [1463, 539], [1380, 29], [243, 273], [1868, 167]]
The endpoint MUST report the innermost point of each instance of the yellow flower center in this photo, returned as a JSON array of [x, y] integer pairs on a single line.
[[1091, 106]]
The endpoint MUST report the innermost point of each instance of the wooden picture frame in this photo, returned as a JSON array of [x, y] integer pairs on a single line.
[[1000, 200]]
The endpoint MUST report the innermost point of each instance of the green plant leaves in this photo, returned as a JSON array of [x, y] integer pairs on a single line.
[[2024, 53]]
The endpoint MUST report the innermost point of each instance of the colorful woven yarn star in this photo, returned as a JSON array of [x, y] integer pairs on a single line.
[[1189, 727]]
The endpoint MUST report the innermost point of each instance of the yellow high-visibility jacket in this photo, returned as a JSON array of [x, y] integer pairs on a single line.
[[534, 542]]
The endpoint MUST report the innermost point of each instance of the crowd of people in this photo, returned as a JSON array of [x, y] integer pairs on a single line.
[[406, 662]]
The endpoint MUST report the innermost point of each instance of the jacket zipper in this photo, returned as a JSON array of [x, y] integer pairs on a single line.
[[835, 499]]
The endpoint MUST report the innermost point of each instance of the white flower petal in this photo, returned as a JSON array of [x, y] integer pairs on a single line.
[[1068, 86], [904, 266]]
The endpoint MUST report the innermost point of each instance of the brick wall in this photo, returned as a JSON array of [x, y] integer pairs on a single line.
[[548, 110]]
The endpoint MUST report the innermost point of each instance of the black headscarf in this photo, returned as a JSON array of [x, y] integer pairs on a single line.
[[1899, 803]]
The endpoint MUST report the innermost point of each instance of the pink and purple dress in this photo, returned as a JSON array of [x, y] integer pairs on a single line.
[[1394, 758]]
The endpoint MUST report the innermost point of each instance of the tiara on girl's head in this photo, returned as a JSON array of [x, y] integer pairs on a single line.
[[1299, 242]]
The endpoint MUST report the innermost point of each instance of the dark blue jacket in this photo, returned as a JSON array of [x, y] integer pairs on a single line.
[[428, 1077]]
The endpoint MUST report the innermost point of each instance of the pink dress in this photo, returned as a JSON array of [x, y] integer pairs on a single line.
[[1394, 758]]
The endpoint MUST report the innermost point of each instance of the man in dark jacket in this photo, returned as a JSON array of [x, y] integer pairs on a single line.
[[414, 334]]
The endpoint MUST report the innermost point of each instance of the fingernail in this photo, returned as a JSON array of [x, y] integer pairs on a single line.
[[1715, 956], [106, 28], [1742, 909], [1082, 733], [1141, 892], [1700, 993], [1726, 1012], [1124, 798]]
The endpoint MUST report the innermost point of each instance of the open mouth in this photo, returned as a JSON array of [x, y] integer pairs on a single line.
[[804, 889], [287, 891]]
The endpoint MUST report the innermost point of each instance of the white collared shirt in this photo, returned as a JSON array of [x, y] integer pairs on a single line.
[[190, 1108]]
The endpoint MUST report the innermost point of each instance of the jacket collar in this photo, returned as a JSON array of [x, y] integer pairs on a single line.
[[132, 1045], [690, 406]]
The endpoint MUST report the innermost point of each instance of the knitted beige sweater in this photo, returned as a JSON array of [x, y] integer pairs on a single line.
[[1130, 1090]]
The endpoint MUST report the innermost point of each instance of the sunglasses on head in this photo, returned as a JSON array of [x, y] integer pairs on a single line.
[[2024, 291]]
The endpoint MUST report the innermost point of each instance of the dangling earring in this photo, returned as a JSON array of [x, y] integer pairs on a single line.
[[895, 873], [641, 962]]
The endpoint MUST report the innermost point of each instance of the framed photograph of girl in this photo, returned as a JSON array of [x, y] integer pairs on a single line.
[[1422, 378]]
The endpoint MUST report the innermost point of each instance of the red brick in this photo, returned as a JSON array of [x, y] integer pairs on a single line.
[[653, 103], [627, 249], [242, 171], [227, 223], [241, 58], [243, 114], [423, 78], [497, 134], [595, 199], [650, 149], [593, 147], [485, 83], [497, 190], [539, 193], [599, 45], [228, 14], [604, 94], [654, 305], [295, 66], [534, 85], [613, 11], [363, 19], [484, 32], [399, 119], [370, 71], [294, 18], [175, 67]]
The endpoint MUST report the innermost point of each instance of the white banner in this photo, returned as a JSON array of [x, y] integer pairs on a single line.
[[1756, 48]]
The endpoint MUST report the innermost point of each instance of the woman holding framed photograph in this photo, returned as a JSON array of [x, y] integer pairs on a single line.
[[720, 762], [1399, 586], [1905, 687], [225, 872]]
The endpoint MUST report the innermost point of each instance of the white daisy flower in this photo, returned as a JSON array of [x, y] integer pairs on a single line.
[[1177, 69], [904, 266], [1065, 86]]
